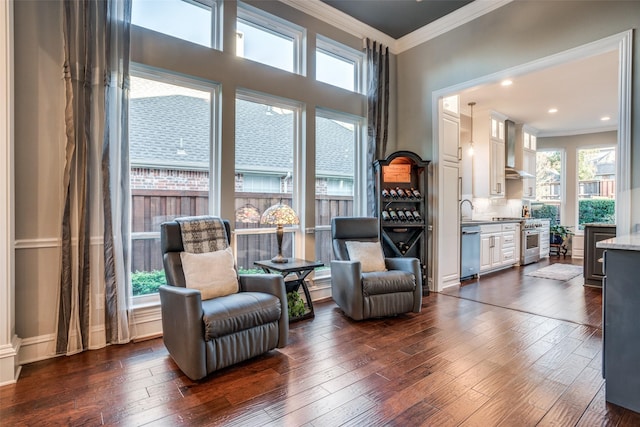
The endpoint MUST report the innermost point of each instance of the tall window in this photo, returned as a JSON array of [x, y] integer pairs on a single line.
[[596, 185], [548, 185], [339, 65], [337, 137], [265, 174], [192, 20], [170, 144], [268, 39]]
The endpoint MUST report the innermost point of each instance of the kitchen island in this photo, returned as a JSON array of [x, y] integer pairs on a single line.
[[621, 317]]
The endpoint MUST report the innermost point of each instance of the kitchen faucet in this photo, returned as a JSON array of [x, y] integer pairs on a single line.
[[462, 202]]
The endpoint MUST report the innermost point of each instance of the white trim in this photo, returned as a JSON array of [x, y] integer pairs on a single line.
[[9, 342], [52, 242], [38, 348], [341, 20], [448, 22], [623, 150], [576, 132]]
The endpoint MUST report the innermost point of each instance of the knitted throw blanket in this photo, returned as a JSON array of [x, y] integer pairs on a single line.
[[203, 234]]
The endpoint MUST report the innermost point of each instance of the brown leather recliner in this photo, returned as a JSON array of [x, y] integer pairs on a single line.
[[374, 294], [204, 336]]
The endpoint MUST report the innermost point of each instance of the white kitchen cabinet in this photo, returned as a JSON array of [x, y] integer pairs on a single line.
[[510, 253], [447, 261], [544, 237], [499, 246], [489, 155], [496, 169], [490, 247], [529, 184]]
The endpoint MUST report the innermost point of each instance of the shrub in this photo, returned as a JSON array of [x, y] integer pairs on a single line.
[[147, 282], [596, 210], [545, 211], [296, 304]]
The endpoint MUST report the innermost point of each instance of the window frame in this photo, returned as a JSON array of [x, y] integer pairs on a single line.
[[164, 76], [298, 181], [215, 8], [277, 26], [359, 171], [577, 178], [340, 51]]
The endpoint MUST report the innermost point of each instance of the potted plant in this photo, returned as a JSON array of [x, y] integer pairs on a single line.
[[558, 234]]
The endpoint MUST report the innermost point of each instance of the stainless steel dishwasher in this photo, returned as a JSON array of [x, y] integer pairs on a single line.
[[470, 252]]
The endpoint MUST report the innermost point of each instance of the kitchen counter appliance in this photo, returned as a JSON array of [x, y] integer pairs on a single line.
[[470, 252]]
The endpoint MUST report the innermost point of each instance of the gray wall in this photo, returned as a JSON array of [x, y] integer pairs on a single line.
[[39, 136], [518, 33]]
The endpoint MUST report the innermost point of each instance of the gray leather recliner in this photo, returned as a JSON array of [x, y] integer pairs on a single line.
[[376, 294], [204, 336]]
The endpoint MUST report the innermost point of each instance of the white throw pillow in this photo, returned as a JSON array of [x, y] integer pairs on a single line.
[[368, 253], [212, 273]]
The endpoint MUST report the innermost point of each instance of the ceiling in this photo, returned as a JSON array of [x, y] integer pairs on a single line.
[[583, 91], [397, 18]]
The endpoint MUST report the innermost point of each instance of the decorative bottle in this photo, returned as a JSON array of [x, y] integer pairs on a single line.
[[393, 215], [400, 193], [385, 193], [386, 216], [416, 193], [416, 215]]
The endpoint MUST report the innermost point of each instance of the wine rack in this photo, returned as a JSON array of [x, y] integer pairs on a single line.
[[401, 185]]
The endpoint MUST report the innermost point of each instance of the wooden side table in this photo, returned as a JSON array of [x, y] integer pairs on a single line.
[[294, 273]]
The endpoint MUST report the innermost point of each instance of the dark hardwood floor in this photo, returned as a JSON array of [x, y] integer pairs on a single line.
[[458, 362], [512, 288]]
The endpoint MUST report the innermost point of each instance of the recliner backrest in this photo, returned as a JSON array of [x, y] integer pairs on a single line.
[[364, 229], [171, 246]]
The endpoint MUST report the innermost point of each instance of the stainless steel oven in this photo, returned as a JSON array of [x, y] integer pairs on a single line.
[[530, 251]]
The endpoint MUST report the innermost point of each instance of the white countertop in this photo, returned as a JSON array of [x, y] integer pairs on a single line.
[[630, 242]]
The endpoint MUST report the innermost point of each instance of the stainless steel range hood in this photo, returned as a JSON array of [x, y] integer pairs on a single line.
[[510, 170], [513, 173]]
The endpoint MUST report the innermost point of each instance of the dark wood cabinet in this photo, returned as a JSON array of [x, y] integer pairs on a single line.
[[402, 217], [593, 270], [621, 347]]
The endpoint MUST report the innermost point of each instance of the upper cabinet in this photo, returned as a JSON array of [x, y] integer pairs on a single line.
[[529, 142], [523, 186], [489, 155]]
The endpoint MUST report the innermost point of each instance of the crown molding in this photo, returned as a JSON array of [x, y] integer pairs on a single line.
[[448, 22], [574, 132], [341, 20]]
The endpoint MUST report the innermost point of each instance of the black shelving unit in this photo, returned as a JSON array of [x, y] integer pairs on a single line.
[[403, 237]]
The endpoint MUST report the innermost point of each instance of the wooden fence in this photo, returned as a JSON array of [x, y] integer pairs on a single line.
[[150, 208]]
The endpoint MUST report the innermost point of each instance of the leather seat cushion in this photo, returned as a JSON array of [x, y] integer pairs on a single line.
[[387, 282], [238, 312]]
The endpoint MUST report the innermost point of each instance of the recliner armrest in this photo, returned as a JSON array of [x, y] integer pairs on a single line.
[[410, 265], [183, 329], [346, 287], [270, 284]]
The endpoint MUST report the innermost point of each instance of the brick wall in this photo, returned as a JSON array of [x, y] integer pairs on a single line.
[[163, 179]]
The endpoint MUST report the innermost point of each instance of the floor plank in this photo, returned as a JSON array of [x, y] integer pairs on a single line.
[[507, 350]]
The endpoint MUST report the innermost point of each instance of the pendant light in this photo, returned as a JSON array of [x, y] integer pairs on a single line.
[[470, 150]]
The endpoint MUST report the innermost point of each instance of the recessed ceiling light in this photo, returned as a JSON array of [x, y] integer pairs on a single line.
[[553, 110], [605, 118], [506, 83]]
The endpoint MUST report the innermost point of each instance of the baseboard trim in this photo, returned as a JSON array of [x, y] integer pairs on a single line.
[[10, 366]]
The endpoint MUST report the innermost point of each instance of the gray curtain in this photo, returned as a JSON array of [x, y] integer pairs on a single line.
[[87, 28], [115, 174], [377, 113]]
